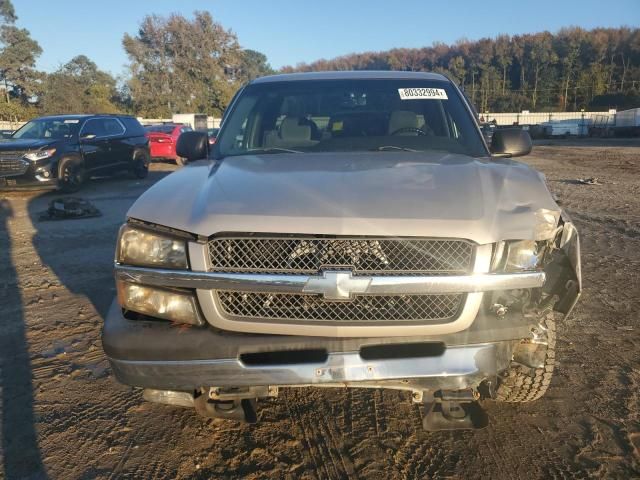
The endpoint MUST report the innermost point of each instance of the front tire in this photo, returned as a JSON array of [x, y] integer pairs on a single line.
[[140, 168], [71, 175], [523, 384]]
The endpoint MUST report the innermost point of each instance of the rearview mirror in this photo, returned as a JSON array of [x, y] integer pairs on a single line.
[[510, 142], [193, 146]]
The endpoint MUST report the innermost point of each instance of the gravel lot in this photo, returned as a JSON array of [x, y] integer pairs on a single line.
[[63, 416]]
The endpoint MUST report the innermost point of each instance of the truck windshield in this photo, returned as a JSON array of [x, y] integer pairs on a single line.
[[350, 115], [48, 129]]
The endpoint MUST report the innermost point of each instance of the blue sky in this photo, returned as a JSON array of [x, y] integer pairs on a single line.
[[290, 31]]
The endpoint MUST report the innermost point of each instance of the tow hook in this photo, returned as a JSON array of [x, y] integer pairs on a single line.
[[230, 403], [240, 410], [455, 410]]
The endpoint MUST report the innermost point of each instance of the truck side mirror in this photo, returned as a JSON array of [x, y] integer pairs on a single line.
[[510, 142], [193, 146]]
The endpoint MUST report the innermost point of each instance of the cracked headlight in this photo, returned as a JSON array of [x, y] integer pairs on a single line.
[[518, 256], [144, 248], [523, 255]]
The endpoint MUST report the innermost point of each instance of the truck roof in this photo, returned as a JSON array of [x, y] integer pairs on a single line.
[[351, 75]]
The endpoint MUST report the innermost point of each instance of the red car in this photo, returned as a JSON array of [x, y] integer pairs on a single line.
[[163, 139]]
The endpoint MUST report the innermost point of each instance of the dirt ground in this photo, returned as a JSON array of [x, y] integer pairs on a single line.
[[64, 416]]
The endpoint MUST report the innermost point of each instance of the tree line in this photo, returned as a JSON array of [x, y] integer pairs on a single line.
[[179, 64], [572, 69]]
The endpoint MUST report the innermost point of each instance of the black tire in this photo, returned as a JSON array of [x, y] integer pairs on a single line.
[[523, 384], [181, 162], [140, 168], [71, 175]]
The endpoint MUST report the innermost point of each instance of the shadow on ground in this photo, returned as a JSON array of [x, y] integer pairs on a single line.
[[20, 450], [80, 254]]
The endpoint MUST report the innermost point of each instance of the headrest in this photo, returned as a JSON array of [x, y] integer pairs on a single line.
[[402, 119], [292, 131]]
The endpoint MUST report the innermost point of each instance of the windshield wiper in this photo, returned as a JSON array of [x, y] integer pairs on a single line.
[[270, 150], [385, 148]]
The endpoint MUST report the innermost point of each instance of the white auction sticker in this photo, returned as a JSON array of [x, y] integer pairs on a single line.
[[422, 94]]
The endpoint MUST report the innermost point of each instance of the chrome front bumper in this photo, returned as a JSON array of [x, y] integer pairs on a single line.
[[458, 367], [388, 285]]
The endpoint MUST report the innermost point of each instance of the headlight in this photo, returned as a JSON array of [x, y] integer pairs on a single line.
[[40, 154], [523, 255], [147, 249], [172, 305]]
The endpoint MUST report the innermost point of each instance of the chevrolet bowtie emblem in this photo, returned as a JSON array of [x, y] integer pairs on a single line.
[[339, 285]]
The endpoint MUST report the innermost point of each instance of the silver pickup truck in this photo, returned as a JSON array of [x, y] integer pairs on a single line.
[[346, 229]]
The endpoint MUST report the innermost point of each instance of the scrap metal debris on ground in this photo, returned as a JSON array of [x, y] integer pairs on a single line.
[[69, 208], [589, 181]]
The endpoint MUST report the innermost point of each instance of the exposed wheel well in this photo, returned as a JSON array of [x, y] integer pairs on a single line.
[[141, 151]]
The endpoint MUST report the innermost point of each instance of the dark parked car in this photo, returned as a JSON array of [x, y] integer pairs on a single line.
[[163, 139], [64, 151]]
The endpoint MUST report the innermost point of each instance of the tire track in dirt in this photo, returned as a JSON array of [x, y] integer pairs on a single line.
[[380, 411], [363, 408], [423, 455], [324, 444]]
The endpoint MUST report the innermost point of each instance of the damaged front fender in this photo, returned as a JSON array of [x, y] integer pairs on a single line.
[[563, 272]]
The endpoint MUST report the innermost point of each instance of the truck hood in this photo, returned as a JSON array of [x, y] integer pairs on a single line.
[[431, 194], [19, 144]]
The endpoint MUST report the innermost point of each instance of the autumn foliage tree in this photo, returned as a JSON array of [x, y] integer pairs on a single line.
[[253, 64], [571, 69], [18, 77], [80, 86], [182, 65]]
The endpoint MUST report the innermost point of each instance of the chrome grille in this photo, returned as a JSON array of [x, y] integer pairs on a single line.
[[12, 164], [370, 256], [365, 308]]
